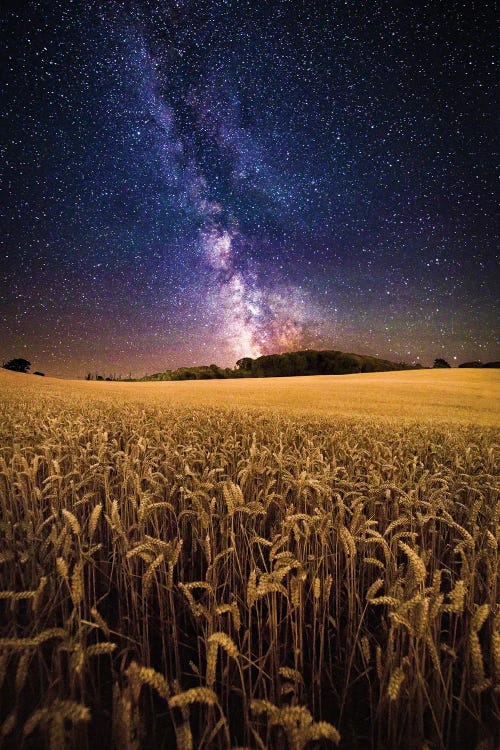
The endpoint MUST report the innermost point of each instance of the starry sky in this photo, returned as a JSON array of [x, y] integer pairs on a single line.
[[193, 181]]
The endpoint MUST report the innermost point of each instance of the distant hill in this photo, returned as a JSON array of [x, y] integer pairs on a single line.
[[307, 362], [476, 364]]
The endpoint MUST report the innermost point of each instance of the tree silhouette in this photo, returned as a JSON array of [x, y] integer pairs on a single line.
[[440, 363], [18, 365], [244, 364]]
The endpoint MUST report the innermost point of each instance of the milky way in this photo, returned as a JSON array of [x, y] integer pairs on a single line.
[[193, 182], [251, 316]]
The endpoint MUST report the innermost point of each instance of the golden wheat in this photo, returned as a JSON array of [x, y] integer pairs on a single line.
[[216, 578]]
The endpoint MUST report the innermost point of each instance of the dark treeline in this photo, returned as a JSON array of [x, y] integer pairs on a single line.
[[308, 362], [478, 364]]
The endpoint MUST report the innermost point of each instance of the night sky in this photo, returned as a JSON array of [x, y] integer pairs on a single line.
[[191, 182]]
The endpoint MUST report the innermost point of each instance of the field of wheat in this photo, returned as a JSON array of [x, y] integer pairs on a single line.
[[178, 576]]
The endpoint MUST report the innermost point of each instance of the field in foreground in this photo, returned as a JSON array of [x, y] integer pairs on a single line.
[[179, 575]]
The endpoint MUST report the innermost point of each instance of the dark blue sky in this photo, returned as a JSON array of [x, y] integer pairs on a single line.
[[190, 182]]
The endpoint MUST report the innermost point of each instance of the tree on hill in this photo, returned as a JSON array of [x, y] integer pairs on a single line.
[[440, 363], [18, 365], [244, 364]]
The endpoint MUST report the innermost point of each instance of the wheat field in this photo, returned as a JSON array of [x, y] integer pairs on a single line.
[[267, 564]]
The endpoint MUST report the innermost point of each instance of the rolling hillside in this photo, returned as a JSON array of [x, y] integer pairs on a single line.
[[459, 396]]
